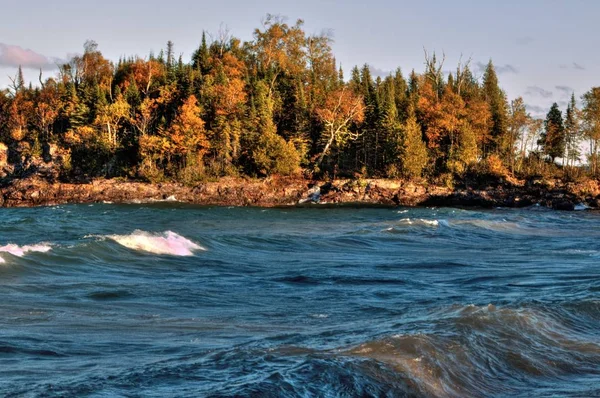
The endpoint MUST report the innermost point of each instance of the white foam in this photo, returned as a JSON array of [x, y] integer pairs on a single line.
[[581, 207], [2, 260], [20, 251], [419, 221], [168, 243]]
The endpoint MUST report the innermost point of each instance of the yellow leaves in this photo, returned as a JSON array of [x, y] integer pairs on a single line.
[[228, 91], [83, 135], [341, 108], [111, 117], [18, 113], [230, 97], [145, 115], [280, 47], [153, 144]]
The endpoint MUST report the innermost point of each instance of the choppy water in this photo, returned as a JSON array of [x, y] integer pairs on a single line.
[[169, 300]]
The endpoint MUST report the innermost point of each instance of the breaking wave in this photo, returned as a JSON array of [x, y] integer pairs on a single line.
[[168, 243], [20, 251]]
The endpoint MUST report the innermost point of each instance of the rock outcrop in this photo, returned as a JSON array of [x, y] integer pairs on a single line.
[[42, 189]]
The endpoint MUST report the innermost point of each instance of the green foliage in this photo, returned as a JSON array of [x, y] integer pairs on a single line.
[[414, 152], [498, 104], [274, 155], [552, 139]]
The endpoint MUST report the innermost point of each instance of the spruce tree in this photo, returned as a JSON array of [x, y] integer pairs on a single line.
[[498, 105], [552, 139], [572, 133]]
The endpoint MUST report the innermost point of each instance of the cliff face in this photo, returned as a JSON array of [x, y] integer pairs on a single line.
[[34, 190]]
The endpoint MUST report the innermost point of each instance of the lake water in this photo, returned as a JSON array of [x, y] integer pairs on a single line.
[[170, 300]]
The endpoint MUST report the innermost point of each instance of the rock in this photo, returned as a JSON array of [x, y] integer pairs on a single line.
[[3, 155], [563, 204]]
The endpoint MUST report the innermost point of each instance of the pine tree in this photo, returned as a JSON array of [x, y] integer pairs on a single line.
[[20, 84], [552, 139], [170, 54], [200, 58], [498, 105], [572, 133]]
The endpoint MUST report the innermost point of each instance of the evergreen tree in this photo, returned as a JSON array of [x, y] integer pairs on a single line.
[[572, 133], [20, 83], [200, 58], [552, 140], [498, 105]]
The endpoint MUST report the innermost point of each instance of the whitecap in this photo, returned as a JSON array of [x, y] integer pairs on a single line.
[[168, 243], [419, 221], [20, 251], [581, 207], [2, 260]]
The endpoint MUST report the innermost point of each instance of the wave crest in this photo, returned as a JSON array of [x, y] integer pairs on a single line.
[[168, 243], [20, 251], [486, 343]]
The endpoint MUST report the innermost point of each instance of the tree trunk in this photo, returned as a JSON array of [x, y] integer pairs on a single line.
[[326, 149]]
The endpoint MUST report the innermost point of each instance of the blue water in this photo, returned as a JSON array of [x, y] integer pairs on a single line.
[[102, 300]]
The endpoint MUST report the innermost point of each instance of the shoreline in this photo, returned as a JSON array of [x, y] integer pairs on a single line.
[[35, 191]]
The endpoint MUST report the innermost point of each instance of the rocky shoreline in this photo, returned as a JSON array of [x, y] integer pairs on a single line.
[[274, 192]]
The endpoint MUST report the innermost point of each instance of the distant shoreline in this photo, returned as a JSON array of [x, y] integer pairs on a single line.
[[287, 191]]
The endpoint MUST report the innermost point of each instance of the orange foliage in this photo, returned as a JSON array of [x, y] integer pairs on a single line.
[[341, 108], [187, 134], [144, 73], [229, 92]]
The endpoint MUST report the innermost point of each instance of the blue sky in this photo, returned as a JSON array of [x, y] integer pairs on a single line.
[[543, 49]]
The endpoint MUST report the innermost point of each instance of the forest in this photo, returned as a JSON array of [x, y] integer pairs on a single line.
[[281, 105]]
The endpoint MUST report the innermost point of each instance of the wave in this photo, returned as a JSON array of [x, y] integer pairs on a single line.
[[20, 251], [481, 345], [168, 243], [419, 221]]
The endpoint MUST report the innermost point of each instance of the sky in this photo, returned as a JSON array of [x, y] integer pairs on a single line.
[[543, 50]]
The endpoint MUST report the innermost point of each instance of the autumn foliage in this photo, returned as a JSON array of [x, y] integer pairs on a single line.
[[279, 104]]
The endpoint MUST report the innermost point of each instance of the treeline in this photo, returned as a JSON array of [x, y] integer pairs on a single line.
[[280, 104]]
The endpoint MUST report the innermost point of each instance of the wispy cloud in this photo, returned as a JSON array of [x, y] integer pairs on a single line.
[[565, 90], [500, 69], [13, 56], [538, 92], [536, 109], [574, 65]]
